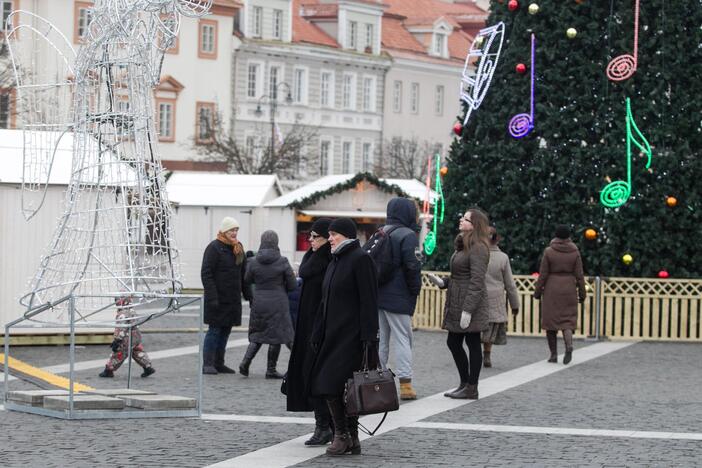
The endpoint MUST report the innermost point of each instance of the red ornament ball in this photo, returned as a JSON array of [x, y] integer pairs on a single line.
[[663, 274], [671, 201], [513, 5], [457, 128], [521, 68]]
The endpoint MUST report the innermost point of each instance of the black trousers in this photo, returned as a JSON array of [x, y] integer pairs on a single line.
[[468, 366]]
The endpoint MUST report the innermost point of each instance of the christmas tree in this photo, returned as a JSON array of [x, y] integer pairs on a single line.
[[578, 143]]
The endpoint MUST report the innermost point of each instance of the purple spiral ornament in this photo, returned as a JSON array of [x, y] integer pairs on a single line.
[[520, 125]]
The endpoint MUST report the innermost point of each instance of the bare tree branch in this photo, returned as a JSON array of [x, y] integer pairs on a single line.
[[405, 158]]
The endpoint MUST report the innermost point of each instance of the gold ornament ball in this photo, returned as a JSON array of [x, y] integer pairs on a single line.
[[671, 201], [533, 9], [590, 234], [443, 171], [627, 259], [571, 33]]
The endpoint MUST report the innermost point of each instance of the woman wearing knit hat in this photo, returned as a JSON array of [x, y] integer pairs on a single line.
[[222, 274], [347, 325], [270, 321], [312, 269]]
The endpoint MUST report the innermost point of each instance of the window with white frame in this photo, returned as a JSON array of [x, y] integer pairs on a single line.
[[253, 80], [205, 112], [5, 110], [300, 85], [325, 151], [349, 91], [326, 85], [397, 96], [368, 94], [208, 38], [367, 157], [273, 80], [439, 100], [6, 9], [346, 157], [165, 120], [85, 16], [353, 35], [277, 24], [369, 36], [250, 146], [414, 98], [439, 44], [257, 21]]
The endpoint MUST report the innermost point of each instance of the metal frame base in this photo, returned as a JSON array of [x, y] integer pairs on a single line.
[[102, 414]]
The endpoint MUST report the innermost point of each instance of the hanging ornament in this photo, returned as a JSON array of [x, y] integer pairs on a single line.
[[521, 68], [571, 33], [627, 259], [457, 128], [533, 9], [479, 41], [590, 234], [671, 201], [443, 171], [663, 274], [513, 5]]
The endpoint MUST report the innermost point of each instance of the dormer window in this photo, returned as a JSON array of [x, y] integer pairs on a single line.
[[440, 45], [277, 24], [353, 35]]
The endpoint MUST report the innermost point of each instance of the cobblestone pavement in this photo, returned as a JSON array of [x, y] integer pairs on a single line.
[[643, 387]]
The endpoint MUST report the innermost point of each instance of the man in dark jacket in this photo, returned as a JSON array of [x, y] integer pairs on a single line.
[[398, 296], [222, 274]]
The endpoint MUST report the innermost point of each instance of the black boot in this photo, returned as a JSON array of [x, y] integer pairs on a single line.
[[460, 387], [352, 424], [568, 339], [219, 363], [148, 371], [342, 440], [469, 392], [552, 345], [322, 430], [248, 357], [106, 373], [208, 367], [273, 353]]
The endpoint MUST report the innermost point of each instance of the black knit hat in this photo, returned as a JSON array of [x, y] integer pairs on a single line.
[[344, 226], [562, 231], [321, 227]]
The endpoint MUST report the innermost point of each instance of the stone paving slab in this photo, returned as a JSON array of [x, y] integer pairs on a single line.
[[159, 402], [33, 397], [84, 402], [118, 392]]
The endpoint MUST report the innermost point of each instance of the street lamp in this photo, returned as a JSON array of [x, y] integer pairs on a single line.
[[273, 102]]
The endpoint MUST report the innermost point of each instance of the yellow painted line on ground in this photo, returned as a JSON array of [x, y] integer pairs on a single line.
[[48, 377]]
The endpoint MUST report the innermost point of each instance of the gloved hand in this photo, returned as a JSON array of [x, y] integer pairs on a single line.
[[515, 311], [116, 343], [435, 280]]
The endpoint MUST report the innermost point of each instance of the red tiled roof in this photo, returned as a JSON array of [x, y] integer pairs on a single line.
[[458, 44], [305, 31], [413, 8], [395, 36]]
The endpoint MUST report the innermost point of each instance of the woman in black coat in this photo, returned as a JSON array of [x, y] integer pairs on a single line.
[[312, 269], [347, 325], [270, 321], [222, 275]]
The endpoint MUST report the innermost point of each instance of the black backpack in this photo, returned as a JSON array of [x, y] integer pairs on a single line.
[[379, 248]]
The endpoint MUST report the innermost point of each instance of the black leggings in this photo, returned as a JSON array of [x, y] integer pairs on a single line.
[[468, 373]]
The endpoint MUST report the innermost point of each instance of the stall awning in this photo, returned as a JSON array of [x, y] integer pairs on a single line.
[[343, 214]]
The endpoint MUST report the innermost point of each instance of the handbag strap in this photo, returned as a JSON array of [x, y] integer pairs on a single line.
[[365, 429]]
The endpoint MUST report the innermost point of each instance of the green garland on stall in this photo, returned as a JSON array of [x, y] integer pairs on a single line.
[[349, 184]]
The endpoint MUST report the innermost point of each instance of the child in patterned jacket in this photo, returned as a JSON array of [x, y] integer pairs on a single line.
[[120, 344]]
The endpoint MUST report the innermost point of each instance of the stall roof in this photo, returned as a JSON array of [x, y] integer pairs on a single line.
[[412, 187], [192, 188]]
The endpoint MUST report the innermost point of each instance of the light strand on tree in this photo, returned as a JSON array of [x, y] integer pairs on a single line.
[[439, 206]]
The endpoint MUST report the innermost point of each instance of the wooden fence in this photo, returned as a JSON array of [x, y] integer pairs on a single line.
[[628, 308]]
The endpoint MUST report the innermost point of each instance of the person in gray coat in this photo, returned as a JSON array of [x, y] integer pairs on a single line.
[[270, 321], [466, 309], [498, 280]]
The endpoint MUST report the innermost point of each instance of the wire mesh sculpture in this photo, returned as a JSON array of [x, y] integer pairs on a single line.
[[114, 237]]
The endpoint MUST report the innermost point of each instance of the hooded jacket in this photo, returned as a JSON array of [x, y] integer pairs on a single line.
[[560, 286], [399, 294]]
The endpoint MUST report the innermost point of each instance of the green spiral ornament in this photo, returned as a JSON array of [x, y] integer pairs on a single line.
[[430, 239]]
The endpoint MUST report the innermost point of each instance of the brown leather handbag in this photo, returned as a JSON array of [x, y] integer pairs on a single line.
[[371, 391]]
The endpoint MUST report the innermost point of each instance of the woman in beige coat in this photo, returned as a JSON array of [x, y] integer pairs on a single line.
[[561, 285], [465, 313], [498, 280]]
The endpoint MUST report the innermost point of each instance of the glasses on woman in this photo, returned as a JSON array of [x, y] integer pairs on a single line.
[[467, 219]]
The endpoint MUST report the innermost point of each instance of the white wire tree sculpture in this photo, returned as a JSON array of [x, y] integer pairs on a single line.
[[114, 237]]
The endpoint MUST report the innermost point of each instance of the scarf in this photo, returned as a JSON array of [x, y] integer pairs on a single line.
[[236, 247]]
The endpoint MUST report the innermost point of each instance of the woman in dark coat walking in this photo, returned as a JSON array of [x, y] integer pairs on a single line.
[[312, 269], [347, 325], [222, 274], [466, 309], [270, 321], [561, 285]]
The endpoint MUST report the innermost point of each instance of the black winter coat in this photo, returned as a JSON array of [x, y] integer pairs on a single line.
[[273, 276], [312, 270], [399, 294], [223, 281], [349, 317]]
